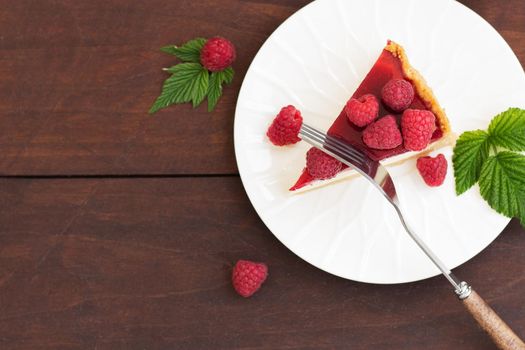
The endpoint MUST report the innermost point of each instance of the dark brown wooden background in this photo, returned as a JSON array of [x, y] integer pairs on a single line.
[[109, 235]]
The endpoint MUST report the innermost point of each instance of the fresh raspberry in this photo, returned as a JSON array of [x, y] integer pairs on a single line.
[[217, 54], [397, 94], [362, 111], [417, 127], [284, 129], [432, 170], [383, 134], [248, 276], [321, 165]]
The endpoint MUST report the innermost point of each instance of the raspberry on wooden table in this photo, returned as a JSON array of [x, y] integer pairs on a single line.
[[248, 276], [217, 54]]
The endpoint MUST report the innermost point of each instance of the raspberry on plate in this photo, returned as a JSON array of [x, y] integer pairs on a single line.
[[362, 111], [284, 129], [397, 94], [217, 54], [248, 276], [417, 127], [432, 170], [321, 165], [383, 134]]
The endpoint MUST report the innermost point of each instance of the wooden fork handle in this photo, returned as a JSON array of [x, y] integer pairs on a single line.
[[491, 323]]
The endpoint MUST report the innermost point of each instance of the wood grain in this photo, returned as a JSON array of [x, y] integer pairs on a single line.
[[145, 264], [78, 78]]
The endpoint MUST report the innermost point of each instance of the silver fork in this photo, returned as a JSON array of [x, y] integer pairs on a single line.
[[378, 175]]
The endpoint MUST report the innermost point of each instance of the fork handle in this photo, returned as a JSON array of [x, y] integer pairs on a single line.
[[491, 323]]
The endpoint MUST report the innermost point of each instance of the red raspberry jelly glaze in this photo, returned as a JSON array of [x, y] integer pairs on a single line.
[[387, 67]]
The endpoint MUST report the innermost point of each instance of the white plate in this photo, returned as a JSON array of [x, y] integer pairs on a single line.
[[315, 60]]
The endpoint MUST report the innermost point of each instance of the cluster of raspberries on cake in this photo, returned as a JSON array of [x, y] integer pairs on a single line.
[[414, 132], [417, 126]]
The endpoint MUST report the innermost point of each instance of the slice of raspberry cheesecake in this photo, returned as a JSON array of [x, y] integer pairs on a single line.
[[392, 116]]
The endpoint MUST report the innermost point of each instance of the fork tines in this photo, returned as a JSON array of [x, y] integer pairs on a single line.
[[332, 144]]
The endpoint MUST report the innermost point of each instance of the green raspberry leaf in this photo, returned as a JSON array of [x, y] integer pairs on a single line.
[[184, 68], [522, 215], [227, 75], [189, 52], [201, 87], [470, 152], [502, 183], [170, 49], [214, 89], [186, 84], [215, 86], [507, 129]]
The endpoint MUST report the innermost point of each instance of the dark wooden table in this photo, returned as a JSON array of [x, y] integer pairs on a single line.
[[109, 235]]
